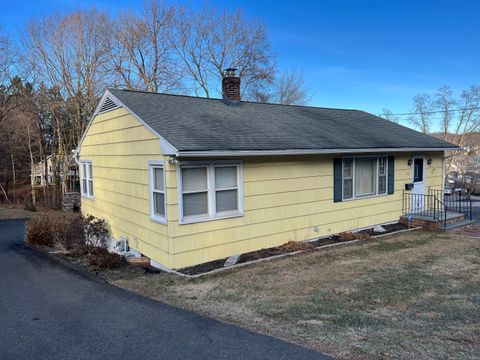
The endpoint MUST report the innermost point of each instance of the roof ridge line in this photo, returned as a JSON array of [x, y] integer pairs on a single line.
[[242, 101]]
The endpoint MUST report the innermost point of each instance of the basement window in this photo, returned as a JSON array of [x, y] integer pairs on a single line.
[[158, 203], [209, 191], [86, 176]]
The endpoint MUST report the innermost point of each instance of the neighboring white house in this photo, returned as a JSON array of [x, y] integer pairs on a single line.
[[43, 173]]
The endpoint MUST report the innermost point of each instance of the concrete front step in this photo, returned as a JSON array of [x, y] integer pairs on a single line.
[[456, 225], [427, 221]]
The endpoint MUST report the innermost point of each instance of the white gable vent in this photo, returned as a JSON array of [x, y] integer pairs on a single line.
[[108, 105]]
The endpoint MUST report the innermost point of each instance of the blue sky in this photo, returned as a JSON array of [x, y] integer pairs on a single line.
[[355, 54]]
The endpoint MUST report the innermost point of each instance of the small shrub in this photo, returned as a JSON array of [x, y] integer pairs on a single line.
[[75, 235], [292, 246], [80, 236], [60, 230], [68, 232], [104, 259], [40, 230], [349, 236], [96, 231]]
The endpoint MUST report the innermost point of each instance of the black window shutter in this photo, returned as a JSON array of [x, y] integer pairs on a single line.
[[337, 180], [391, 174]]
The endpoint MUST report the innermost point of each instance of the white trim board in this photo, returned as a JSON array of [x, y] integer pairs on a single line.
[[240, 153]]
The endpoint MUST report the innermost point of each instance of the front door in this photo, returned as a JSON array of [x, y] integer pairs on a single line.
[[418, 184]]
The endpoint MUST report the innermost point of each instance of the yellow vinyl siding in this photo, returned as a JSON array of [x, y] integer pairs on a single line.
[[285, 198], [434, 172], [120, 147]]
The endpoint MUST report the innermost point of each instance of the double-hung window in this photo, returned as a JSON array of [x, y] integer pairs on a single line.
[[210, 191], [86, 175], [158, 205], [364, 176]]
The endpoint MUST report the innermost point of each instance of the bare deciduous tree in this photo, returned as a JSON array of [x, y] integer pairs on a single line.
[[288, 88], [388, 114], [5, 59], [291, 88], [445, 104], [143, 56], [207, 42], [70, 58], [467, 117], [72, 54], [7, 80], [422, 109], [458, 121]]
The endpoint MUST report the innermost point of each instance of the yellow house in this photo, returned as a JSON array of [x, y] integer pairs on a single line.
[[188, 180]]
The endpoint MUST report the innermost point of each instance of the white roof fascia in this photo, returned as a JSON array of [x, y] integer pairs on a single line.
[[220, 153]]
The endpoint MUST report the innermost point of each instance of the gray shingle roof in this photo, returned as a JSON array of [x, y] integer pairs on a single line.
[[199, 124]]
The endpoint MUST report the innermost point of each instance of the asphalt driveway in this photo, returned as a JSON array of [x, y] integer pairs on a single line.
[[48, 311]]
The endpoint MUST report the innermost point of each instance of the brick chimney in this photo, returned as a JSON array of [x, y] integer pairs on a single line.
[[231, 85]]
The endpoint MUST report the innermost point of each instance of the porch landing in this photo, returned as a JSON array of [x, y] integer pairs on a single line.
[[430, 221]]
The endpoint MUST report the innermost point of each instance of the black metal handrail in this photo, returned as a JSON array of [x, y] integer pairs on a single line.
[[423, 205], [436, 205], [455, 202]]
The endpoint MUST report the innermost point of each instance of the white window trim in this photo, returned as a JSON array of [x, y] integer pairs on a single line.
[[153, 216], [212, 215], [376, 194], [85, 192]]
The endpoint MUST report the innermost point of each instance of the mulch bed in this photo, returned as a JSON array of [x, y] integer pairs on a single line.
[[291, 247], [389, 228]]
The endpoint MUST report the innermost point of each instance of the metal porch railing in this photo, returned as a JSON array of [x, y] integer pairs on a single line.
[[436, 205]]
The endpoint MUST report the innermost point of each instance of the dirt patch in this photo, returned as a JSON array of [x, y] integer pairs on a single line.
[[411, 295]]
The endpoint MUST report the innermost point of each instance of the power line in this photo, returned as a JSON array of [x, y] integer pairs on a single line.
[[431, 112]]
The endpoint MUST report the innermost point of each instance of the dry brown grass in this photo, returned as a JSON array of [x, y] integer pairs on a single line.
[[412, 296], [11, 213]]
